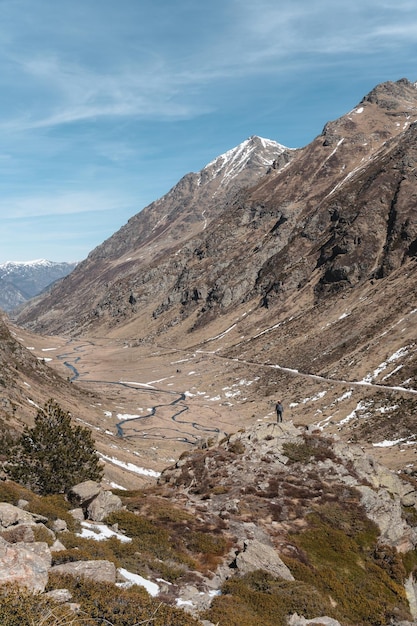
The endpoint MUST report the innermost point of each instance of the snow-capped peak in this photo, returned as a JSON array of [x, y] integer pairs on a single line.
[[230, 163], [34, 263]]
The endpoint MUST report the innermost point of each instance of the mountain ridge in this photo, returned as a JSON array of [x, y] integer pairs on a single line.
[[22, 280]]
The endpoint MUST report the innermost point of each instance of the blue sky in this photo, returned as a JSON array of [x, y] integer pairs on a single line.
[[105, 105]]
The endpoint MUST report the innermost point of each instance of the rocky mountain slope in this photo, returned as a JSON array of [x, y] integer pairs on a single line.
[[20, 281]]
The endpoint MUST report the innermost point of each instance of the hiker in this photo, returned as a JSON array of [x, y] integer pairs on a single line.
[[280, 410]]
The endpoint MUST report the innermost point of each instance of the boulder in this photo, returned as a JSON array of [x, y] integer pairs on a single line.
[[25, 564], [100, 571], [59, 595], [83, 493], [77, 514], [257, 555], [57, 546], [59, 526], [11, 515], [102, 505]]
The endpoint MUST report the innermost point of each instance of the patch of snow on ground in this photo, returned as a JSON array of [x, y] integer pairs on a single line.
[[127, 416], [100, 532], [32, 402], [387, 444], [387, 409], [344, 315], [318, 396], [116, 486], [359, 407], [48, 349], [369, 378], [130, 467], [108, 413], [344, 396], [127, 382], [135, 579], [396, 369]]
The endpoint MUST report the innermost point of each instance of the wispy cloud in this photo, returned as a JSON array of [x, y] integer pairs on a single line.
[[62, 204], [161, 76]]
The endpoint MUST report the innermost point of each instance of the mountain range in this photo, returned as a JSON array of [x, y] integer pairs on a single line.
[[20, 281], [271, 274]]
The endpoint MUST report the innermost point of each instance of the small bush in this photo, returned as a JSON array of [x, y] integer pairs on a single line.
[[19, 607], [107, 604], [260, 598], [237, 447], [312, 447]]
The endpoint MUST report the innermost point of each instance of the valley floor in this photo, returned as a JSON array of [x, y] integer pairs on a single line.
[[153, 402]]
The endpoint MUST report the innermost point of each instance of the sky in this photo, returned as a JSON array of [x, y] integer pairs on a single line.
[[105, 105]]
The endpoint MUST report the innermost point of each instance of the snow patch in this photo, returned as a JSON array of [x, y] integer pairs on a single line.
[[135, 579], [130, 467], [100, 532]]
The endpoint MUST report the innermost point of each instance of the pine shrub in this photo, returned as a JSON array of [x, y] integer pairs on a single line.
[[53, 455]]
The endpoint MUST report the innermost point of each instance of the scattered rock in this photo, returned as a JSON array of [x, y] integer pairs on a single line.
[[59, 525], [100, 571]]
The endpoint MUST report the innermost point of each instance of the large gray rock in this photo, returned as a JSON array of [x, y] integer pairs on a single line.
[[100, 571], [11, 515], [24, 564], [84, 492], [257, 555], [102, 505]]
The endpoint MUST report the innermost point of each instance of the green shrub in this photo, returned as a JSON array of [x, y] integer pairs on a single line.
[[312, 447], [53, 455], [341, 559], [19, 607], [53, 507], [260, 598], [109, 605]]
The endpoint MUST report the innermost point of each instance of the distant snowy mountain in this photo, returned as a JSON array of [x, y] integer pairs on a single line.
[[22, 280]]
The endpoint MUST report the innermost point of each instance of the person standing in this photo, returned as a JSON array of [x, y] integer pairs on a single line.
[[280, 410]]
